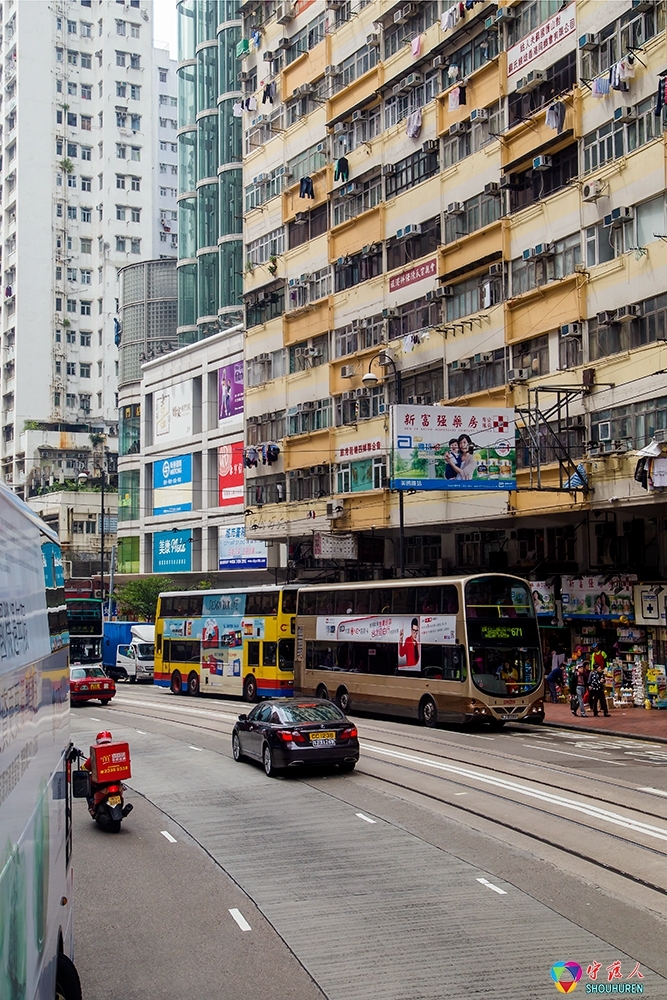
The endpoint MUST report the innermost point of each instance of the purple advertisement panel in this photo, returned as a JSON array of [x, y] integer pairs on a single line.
[[230, 391]]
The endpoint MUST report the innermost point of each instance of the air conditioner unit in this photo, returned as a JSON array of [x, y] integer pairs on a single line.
[[347, 396], [359, 115], [293, 283], [412, 230], [269, 56], [591, 191], [626, 313], [458, 128], [389, 313], [642, 6], [340, 128], [360, 323], [373, 40], [436, 293], [430, 146], [570, 330], [398, 89], [588, 42], [284, 13], [412, 80], [260, 179], [447, 291], [490, 24], [607, 317], [263, 357], [505, 14], [300, 218], [298, 352], [318, 470], [542, 163], [529, 82], [496, 270], [528, 254], [284, 43], [347, 371], [544, 250], [243, 76], [403, 15], [625, 114], [479, 115], [308, 405], [456, 208], [618, 216], [492, 188], [518, 374], [462, 365], [388, 169], [363, 391], [332, 70], [334, 511]]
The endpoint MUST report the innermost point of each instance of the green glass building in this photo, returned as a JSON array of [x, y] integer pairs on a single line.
[[210, 203]]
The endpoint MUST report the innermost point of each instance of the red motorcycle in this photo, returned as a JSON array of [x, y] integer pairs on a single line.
[[99, 781]]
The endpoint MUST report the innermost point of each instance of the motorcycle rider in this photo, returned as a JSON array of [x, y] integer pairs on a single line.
[[100, 740]]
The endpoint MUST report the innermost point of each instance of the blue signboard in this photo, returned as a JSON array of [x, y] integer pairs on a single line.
[[172, 484], [172, 551], [235, 551]]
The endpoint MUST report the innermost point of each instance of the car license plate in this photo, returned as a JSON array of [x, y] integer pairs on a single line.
[[323, 739], [95, 687], [113, 800]]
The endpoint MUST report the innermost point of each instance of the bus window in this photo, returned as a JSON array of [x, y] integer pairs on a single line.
[[453, 663], [286, 654], [194, 606], [362, 602], [325, 602], [270, 602], [449, 600], [344, 602], [403, 600], [498, 597], [159, 643], [428, 600], [307, 602], [185, 651], [253, 654], [253, 603], [289, 603], [269, 654], [319, 656], [431, 661]]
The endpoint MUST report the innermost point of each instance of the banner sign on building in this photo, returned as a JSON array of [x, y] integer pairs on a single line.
[[230, 391], [230, 474], [426, 270], [172, 551], [173, 412], [540, 40], [327, 546], [346, 452], [452, 448], [544, 597], [235, 551], [600, 597], [172, 484]]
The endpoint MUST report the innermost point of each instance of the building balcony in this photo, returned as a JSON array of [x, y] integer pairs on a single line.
[[546, 308], [363, 230], [302, 451], [292, 203], [528, 139], [402, 62], [361, 91], [474, 250], [483, 88], [309, 321], [307, 67]]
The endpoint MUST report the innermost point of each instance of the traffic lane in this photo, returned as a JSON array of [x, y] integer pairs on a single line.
[[155, 917]]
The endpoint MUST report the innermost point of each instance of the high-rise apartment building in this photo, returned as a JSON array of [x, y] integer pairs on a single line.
[[165, 174], [78, 203], [466, 201], [210, 202]]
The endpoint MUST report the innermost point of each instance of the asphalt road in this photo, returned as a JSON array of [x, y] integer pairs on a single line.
[[450, 864]]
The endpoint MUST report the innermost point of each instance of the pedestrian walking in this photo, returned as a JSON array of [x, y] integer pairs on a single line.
[[572, 687], [554, 679], [596, 695], [582, 684]]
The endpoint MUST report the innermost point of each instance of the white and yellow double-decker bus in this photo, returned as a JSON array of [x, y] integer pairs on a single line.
[[232, 642]]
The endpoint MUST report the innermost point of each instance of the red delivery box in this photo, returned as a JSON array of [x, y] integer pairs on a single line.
[[110, 762]]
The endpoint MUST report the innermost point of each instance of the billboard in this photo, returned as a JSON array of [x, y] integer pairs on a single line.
[[235, 551], [408, 632], [544, 597], [172, 417], [230, 474], [230, 391], [452, 448], [172, 551], [172, 484], [599, 597]]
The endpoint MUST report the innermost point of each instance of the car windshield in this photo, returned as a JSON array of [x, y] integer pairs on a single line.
[[311, 713], [79, 673]]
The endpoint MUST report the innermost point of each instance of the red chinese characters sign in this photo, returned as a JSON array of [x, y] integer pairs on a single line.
[[538, 41], [230, 474], [426, 270], [358, 449]]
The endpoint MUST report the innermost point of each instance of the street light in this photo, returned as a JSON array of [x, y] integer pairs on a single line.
[[370, 380]]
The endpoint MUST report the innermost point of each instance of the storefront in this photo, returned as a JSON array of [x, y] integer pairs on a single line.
[[650, 601]]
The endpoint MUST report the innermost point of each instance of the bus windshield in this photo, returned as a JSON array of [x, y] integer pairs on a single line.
[[498, 597], [503, 641]]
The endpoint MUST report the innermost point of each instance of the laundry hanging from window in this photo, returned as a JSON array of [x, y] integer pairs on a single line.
[[457, 98], [556, 116], [661, 96], [341, 169], [306, 188], [413, 123], [269, 93]]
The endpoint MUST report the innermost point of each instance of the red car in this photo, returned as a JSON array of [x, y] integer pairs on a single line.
[[86, 683]]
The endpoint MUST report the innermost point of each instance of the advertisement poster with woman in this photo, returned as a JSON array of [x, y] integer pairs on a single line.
[[452, 448]]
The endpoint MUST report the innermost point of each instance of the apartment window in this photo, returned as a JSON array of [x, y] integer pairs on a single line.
[[486, 371], [86, 30], [135, 184], [71, 339], [121, 151], [135, 214], [134, 30], [312, 416], [614, 139], [163, 75], [86, 92], [56, 399], [626, 33], [86, 276], [599, 244], [86, 123], [71, 88], [529, 17], [71, 368], [412, 170], [86, 245], [71, 273], [59, 273], [71, 27], [533, 355], [121, 119], [72, 150], [559, 260], [71, 180], [71, 211], [120, 213], [135, 246], [86, 60], [86, 214], [357, 268], [426, 385], [120, 244], [480, 292], [471, 215], [86, 153], [120, 28], [636, 421], [135, 92], [59, 86], [86, 308], [560, 78], [371, 403], [72, 58], [59, 55], [120, 181], [348, 206], [314, 225], [570, 352], [70, 400], [84, 371], [395, 36], [271, 305], [120, 58], [135, 61], [403, 251], [121, 88], [135, 154], [310, 354], [272, 244], [533, 185], [307, 38]]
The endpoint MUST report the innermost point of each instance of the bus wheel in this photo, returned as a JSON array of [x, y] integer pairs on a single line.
[[193, 683], [176, 682], [343, 699], [250, 689], [68, 986], [322, 692], [428, 712]]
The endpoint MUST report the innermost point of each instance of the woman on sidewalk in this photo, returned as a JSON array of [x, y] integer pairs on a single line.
[[582, 684], [572, 687]]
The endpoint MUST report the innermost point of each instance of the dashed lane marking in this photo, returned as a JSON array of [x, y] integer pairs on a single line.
[[199, 749], [366, 818], [653, 791], [240, 920], [490, 885], [168, 836]]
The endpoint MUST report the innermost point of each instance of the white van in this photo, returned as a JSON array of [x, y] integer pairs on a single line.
[[137, 660]]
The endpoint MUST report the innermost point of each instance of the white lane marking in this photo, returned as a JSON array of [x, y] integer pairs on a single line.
[[653, 791], [177, 708], [93, 719], [604, 815], [490, 885], [460, 793], [367, 818], [142, 733], [567, 753], [476, 736], [200, 749], [240, 920], [168, 836]]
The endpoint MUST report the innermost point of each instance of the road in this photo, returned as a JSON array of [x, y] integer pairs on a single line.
[[449, 864]]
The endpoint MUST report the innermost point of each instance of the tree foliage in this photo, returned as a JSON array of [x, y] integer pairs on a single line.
[[138, 598]]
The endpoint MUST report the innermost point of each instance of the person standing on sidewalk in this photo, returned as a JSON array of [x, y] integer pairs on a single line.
[[572, 687], [596, 695], [554, 678], [582, 684]]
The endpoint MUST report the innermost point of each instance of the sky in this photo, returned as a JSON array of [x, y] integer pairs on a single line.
[[164, 17]]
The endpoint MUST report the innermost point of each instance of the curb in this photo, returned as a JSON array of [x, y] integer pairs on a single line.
[[607, 732]]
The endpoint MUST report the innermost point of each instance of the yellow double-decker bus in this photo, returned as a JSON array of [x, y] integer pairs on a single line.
[[233, 642]]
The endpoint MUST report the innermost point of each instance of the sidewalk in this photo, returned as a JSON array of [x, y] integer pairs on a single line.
[[634, 722]]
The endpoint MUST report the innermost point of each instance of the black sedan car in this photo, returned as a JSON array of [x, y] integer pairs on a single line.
[[292, 732]]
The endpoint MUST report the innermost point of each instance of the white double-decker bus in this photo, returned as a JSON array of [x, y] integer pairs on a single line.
[[35, 788]]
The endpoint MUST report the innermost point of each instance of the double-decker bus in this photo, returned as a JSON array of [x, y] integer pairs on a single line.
[[448, 649], [35, 787], [86, 630], [233, 642]]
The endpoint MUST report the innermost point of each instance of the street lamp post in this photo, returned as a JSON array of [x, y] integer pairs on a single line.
[[370, 380]]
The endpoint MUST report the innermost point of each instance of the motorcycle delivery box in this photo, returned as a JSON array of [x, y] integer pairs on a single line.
[[110, 762]]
